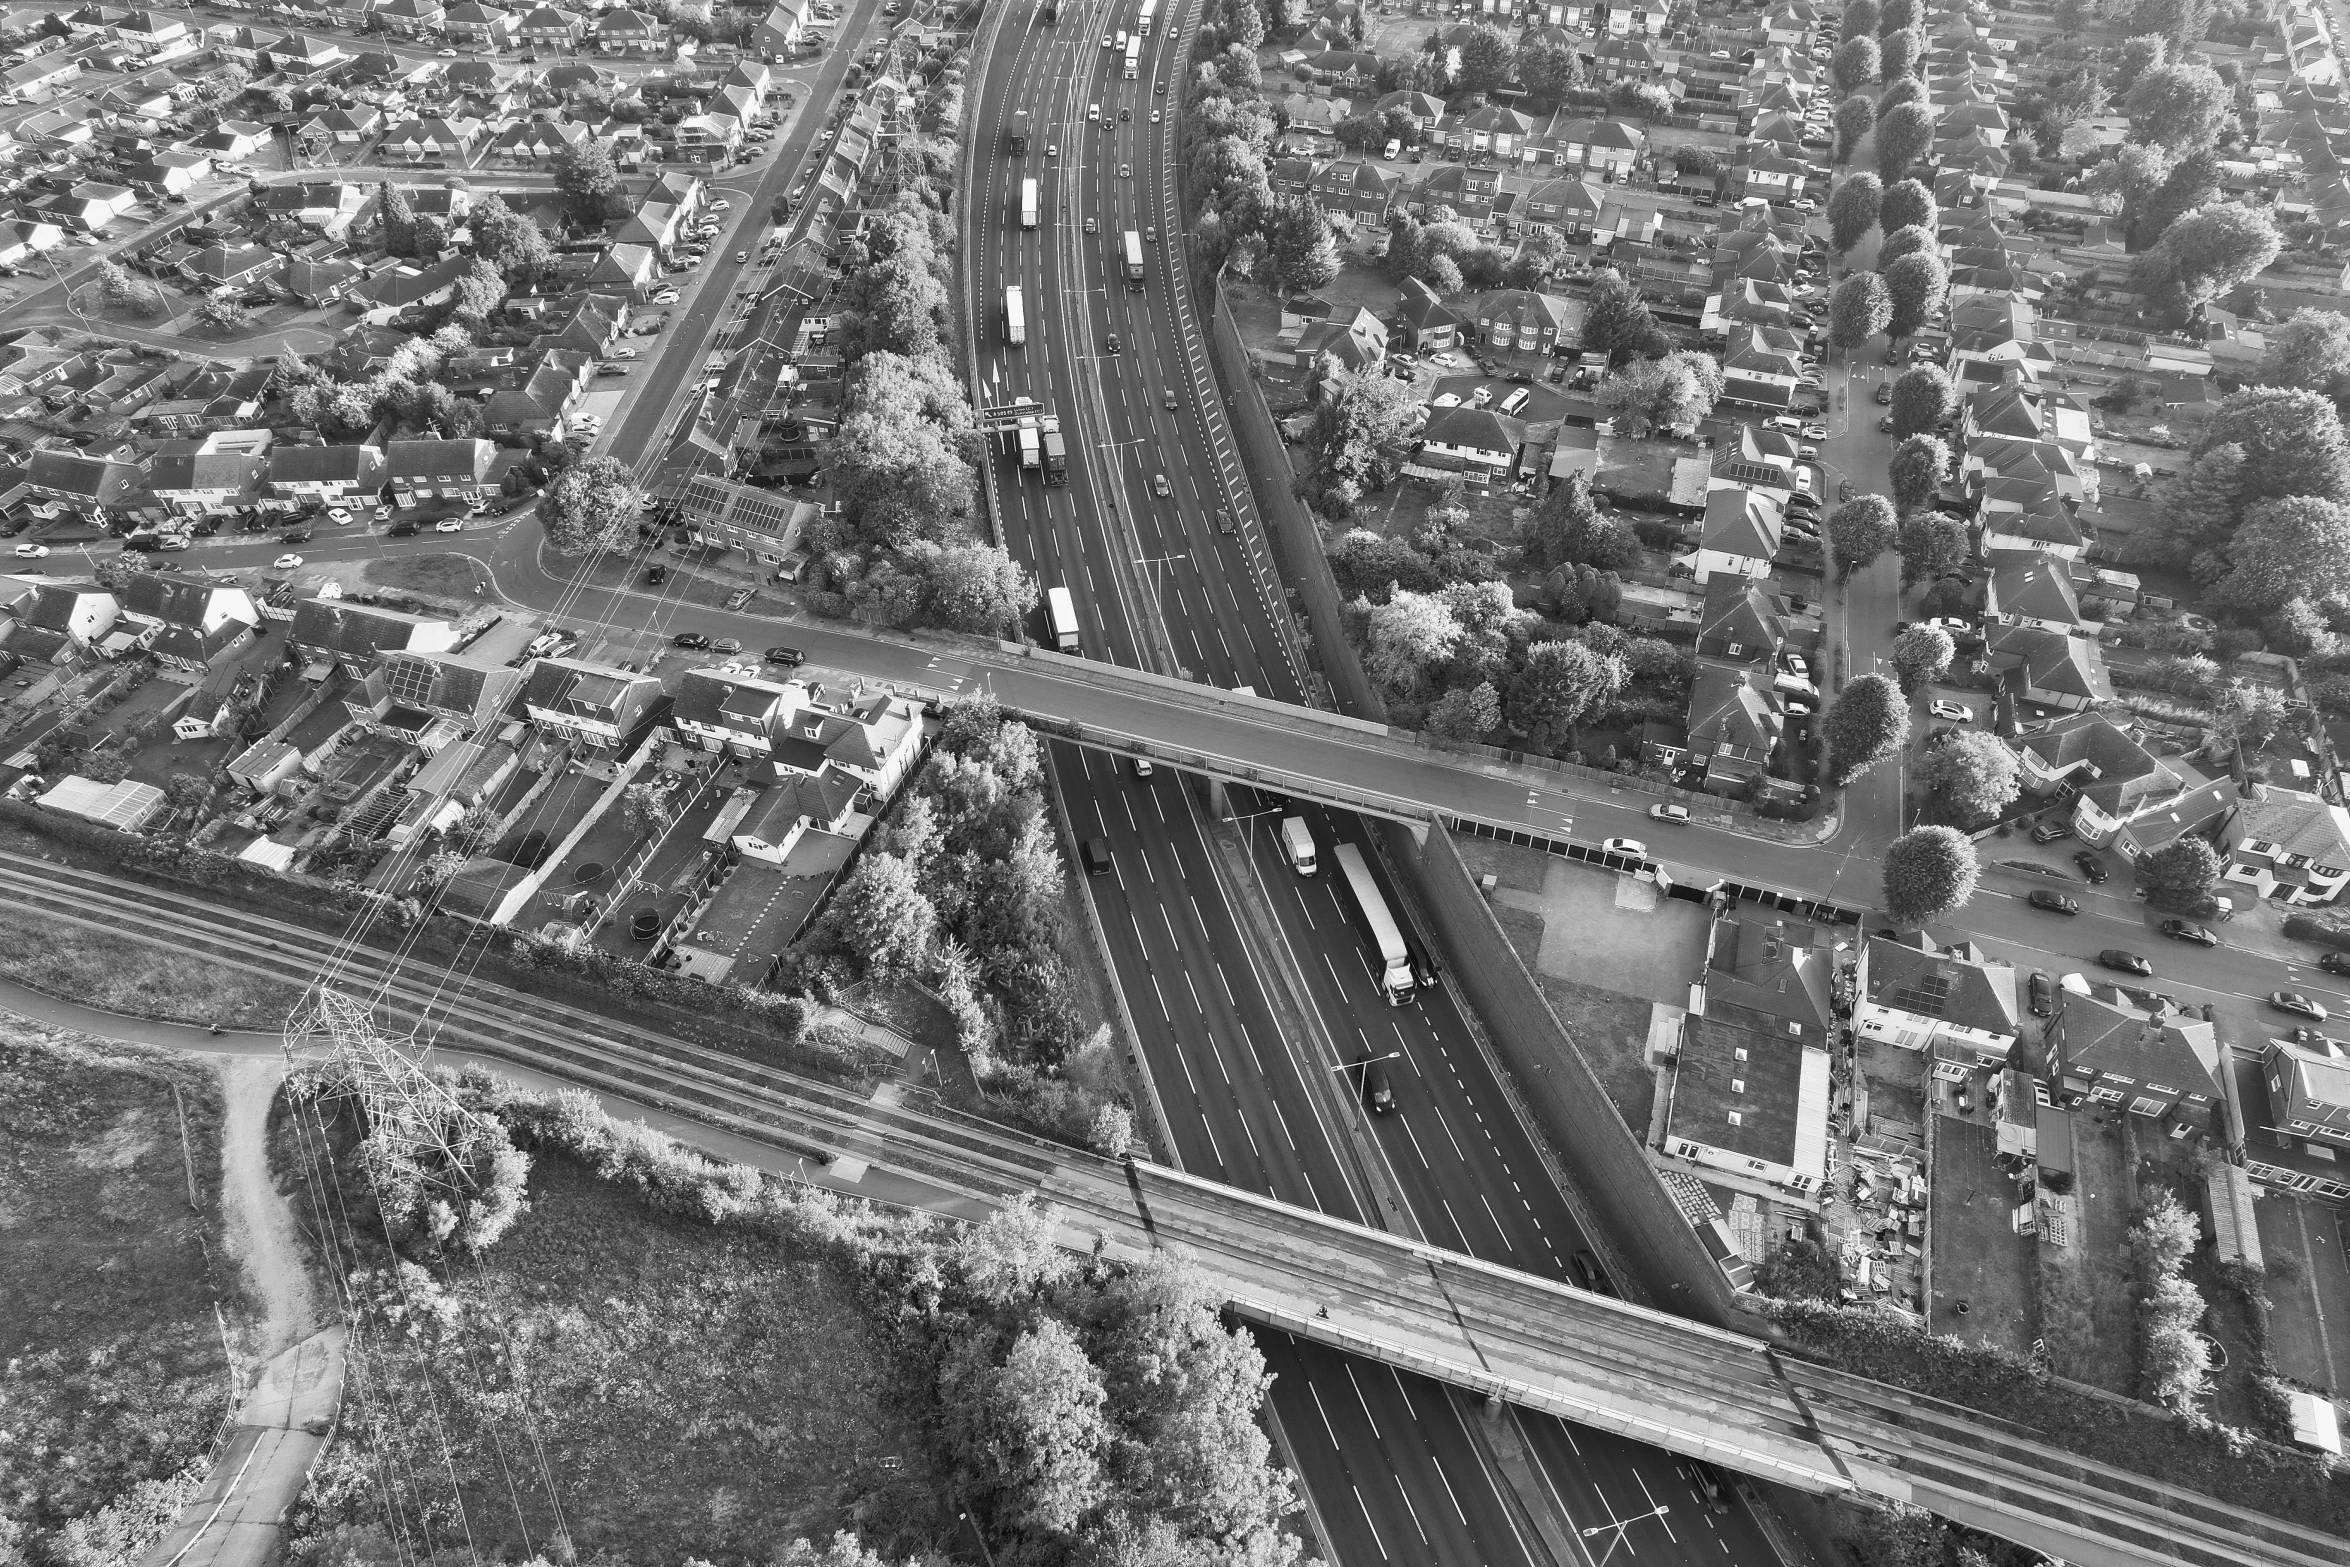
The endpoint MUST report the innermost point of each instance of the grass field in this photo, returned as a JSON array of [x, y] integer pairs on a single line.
[[445, 576], [695, 1392], [135, 978], [113, 1373]]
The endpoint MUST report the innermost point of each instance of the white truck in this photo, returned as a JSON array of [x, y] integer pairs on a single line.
[[1297, 839], [1378, 926]]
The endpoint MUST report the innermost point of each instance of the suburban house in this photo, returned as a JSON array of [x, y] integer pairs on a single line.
[[798, 727], [2090, 760], [467, 692], [1518, 319], [1748, 1106], [1475, 444], [440, 469], [1736, 723], [332, 633], [2107, 1049], [2050, 668], [2287, 844], [2308, 1104], [1743, 622], [1741, 534], [78, 481], [1910, 994], [1427, 323], [592, 705], [189, 478], [326, 475], [188, 622]]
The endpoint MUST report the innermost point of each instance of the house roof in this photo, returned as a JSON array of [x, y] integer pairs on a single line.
[[1742, 523], [352, 630], [464, 460], [1951, 987], [2092, 1035], [1739, 1088], [2300, 824], [2100, 760], [1475, 429], [175, 599], [179, 467], [1775, 969], [1732, 705], [2031, 584], [1741, 611]]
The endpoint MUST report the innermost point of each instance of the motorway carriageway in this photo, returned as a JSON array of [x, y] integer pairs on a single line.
[[1391, 1462]]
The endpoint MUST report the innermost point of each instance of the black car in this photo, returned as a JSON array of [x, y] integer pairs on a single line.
[[2335, 962], [2126, 962], [2053, 902], [294, 536], [2092, 868], [784, 655], [656, 574], [689, 639], [404, 530], [1594, 1276], [2189, 931], [2043, 995], [2049, 832]]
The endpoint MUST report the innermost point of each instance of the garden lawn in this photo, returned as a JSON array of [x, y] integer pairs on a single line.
[[112, 1372], [442, 575]]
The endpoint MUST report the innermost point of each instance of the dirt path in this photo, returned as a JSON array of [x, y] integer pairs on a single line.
[[260, 1222]]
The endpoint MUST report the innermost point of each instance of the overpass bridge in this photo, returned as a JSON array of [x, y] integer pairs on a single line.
[[1724, 1397]]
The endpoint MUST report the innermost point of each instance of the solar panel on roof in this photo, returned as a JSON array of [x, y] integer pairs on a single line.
[[1925, 995]]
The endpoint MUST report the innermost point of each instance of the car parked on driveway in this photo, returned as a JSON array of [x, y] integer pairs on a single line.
[[2092, 868], [2043, 995]]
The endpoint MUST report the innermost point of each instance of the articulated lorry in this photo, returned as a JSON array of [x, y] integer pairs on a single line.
[[1393, 958]]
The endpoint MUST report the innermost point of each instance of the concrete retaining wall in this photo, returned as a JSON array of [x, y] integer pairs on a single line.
[[1289, 527]]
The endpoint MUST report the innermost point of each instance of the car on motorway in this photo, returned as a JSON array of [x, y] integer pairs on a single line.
[[1378, 1092], [1125, 115], [1109, 42], [1162, 89], [1052, 149], [784, 655], [689, 639], [1224, 521], [1092, 227], [1111, 342], [2043, 993], [2092, 868], [1159, 486], [2125, 962], [285, 563], [1154, 116], [32, 552], [1125, 171], [1169, 399], [1632, 848], [2190, 932], [2297, 1004], [1151, 234], [1955, 712], [2053, 902], [1706, 1481], [1592, 1276], [1677, 814]]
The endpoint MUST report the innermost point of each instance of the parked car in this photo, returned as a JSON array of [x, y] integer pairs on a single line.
[[1677, 814], [2053, 902], [2092, 868], [656, 574], [294, 536], [689, 639], [2297, 1004], [32, 552], [1631, 847], [2126, 962], [784, 655], [2335, 962], [2189, 931], [285, 563], [1955, 712], [2043, 991], [2049, 832], [404, 530]]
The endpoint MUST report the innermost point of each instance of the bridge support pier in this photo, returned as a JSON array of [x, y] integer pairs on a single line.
[[1219, 798]]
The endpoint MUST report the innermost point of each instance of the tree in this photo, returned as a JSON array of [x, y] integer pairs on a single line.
[[1466, 712], [1922, 654], [976, 588], [1033, 1431], [512, 243], [1549, 67], [1923, 399], [1908, 204], [2070, 97], [1617, 321], [223, 313], [2182, 22], [186, 791], [1361, 423], [2297, 546], [1856, 116], [591, 506], [2206, 253], [2182, 873], [1554, 531], [644, 810], [1302, 252], [1916, 471], [1929, 875], [2139, 55], [1903, 242], [1632, 95], [1860, 16], [1675, 392], [1907, 89], [1486, 61], [399, 219], [1856, 63], [1858, 310], [1931, 544], [2192, 182], [2293, 443], [1866, 723], [2310, 351], [1900, 52], [1972, 774], [1406, 638], [1853, 207], [1915, 286], [2180, 108], [1899, 16], [881, 916], [590, 183], [480, 290], [430, 237], [122, 291], [1904, 132], [1558, 684], [1858, 532]]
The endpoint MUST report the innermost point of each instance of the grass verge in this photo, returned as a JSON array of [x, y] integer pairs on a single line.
[[135, 978], [114, 1376], [445, 576]]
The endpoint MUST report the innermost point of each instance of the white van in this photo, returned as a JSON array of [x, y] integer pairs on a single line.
[[1516, 400], [1394, 147], [1093, 112]]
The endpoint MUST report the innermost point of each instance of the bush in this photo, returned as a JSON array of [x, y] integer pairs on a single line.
[[2327, 930]]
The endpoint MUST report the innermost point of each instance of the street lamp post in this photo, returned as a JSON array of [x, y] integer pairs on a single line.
[[1365, 1065], [1617, 1526]]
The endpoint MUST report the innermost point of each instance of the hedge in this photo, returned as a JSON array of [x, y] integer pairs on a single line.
[[2325, 930], [2191, 1452]]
